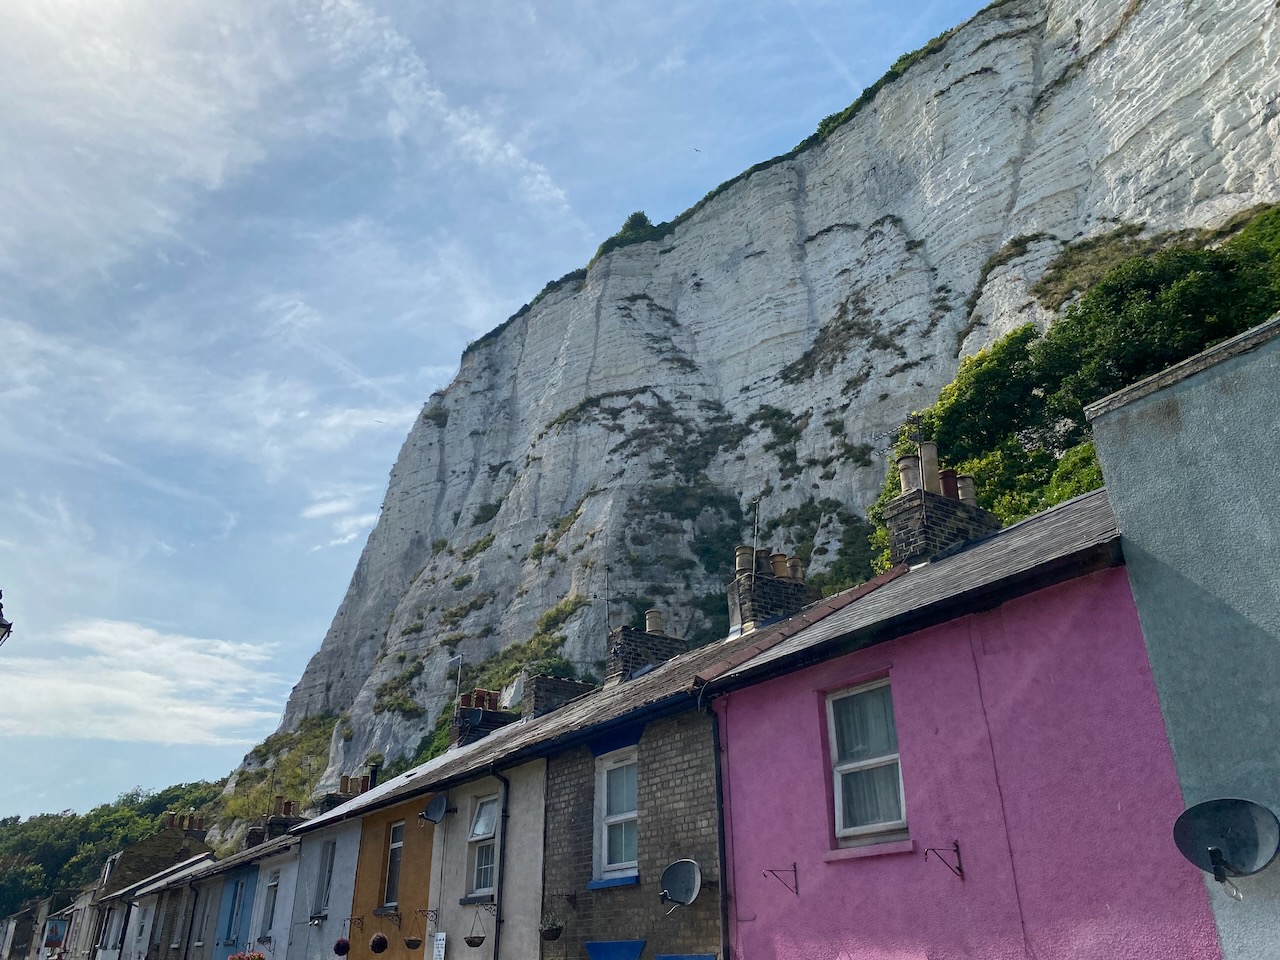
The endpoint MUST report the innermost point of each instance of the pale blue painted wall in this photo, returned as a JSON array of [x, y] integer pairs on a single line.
[[1193, 472]]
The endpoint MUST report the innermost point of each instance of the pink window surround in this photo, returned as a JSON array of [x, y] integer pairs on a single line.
[[1031, 734]]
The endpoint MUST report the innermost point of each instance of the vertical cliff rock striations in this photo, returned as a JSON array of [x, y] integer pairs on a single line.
[[626, 420]]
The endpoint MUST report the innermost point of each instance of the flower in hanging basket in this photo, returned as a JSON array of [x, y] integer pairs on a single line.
[[550, 927], [342, 946], [413, 943], [378, 943], [474, 941]]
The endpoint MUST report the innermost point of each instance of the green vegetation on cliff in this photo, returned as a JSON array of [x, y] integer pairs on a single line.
[[1014, 415], [59, 851]]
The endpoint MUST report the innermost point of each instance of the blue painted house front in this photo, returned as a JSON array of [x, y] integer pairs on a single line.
[[235, 912]]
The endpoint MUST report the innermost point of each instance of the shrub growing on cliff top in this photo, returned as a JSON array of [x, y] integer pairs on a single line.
[[1014, 415]]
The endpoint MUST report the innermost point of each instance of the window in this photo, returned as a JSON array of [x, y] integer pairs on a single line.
[[482, 844], [269, 905], [866, 775], [395, 849], [324, 878], [203, 900], [233, 918], [142, 922], [616, 818]]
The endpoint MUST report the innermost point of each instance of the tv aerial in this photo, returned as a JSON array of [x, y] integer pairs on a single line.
[[1228, 838], [681, 882]]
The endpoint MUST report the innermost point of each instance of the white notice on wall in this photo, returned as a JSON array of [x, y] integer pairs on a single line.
[[438, 952]]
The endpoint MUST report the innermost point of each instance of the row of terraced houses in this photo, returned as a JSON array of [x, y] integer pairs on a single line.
[[980, 753]]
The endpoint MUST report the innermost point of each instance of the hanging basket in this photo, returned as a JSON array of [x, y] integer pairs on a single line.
[[551, 933], [413, 943], [474, 941], [378, 943], [342, 946]]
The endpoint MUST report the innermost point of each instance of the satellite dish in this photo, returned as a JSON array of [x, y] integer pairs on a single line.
[[437, 808], [1228, 838], [681, 882]]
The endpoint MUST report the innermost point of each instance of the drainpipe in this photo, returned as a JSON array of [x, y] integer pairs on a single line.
[[722, 859], [191, 921], [502, 863]]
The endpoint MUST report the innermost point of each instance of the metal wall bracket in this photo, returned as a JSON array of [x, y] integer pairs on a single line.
[[793, 885], [490, 908], [940, 853], [355, 922], [431, 915]]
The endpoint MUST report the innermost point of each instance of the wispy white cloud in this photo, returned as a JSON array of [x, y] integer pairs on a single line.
[[348, 528], [327, 508], [121, 681]]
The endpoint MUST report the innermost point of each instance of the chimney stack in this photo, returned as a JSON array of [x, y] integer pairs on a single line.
[[344, 784], [772, 588], [373, 775], [630, 651], [542, 694], [935, 514], [277, 805], [477, 715]]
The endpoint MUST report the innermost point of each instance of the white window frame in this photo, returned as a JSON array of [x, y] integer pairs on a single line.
[[395, 853], [233, 918], [269, 905], [898, 826], [477, 842], [324, 878], [203, 899], [612, 761]]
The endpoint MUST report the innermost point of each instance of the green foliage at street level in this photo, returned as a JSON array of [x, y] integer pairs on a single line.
[[58, 851]]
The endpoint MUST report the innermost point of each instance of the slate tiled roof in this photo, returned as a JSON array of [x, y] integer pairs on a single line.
[[1061, 543]]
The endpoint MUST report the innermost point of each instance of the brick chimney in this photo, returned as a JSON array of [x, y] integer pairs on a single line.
[[282, 820], [936, 511], [630, 650], [766, 586], [543, 694], [478, 715]]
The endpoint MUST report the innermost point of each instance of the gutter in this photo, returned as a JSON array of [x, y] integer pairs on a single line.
[[502, 863]]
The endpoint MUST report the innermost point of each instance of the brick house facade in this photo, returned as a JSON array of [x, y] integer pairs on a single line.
[[676, 818]]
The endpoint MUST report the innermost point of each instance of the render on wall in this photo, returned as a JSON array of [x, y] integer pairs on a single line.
[[1189, 459], [625, 422]]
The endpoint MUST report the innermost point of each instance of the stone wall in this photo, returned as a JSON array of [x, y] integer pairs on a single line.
[[676, 806]]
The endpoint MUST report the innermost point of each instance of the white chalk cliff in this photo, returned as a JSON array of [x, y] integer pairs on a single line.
[[767, 344]]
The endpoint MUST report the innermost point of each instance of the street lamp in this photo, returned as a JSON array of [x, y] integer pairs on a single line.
[[6, 627]]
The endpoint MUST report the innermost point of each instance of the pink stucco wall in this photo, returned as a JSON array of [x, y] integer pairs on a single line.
[[1032, 735]]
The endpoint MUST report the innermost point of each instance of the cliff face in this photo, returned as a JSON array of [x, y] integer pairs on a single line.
[[763, 349]]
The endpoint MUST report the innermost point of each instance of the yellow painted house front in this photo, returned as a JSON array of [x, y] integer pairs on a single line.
[[393, 880]]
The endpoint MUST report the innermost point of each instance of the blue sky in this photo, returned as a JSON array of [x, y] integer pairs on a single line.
[[241, 242]]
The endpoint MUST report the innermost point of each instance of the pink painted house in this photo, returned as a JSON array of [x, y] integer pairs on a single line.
[[967, 761]]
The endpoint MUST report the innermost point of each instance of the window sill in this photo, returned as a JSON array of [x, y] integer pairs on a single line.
[[871, 850], [476, 898], [386, 911], [608, 882]]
